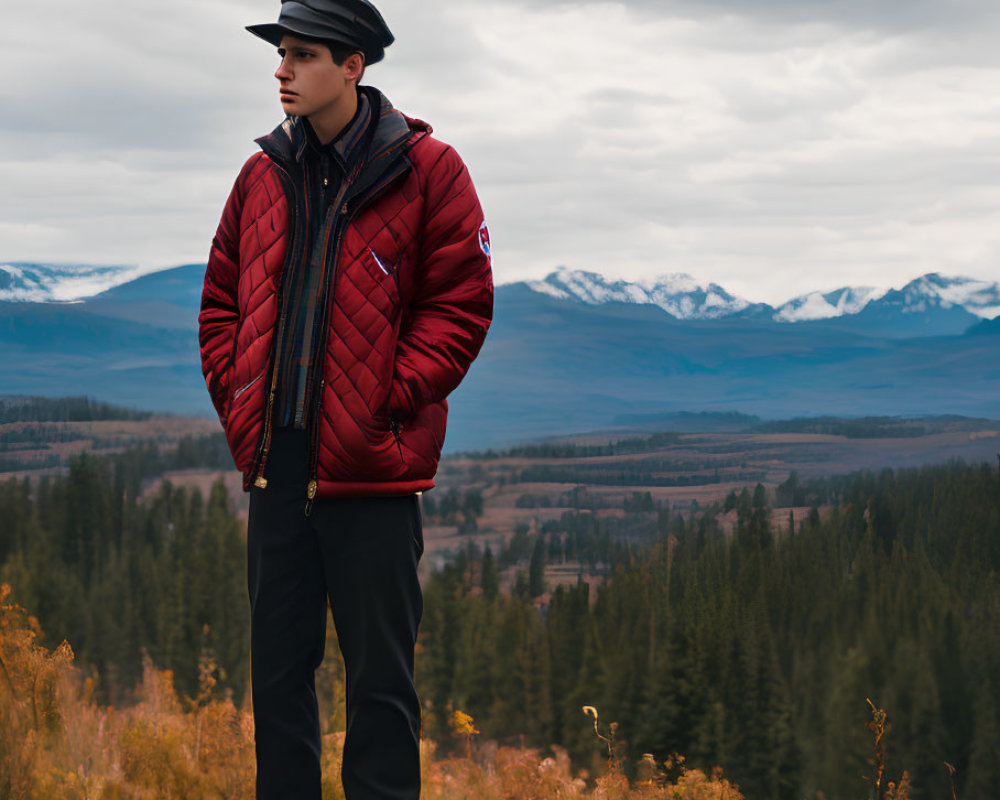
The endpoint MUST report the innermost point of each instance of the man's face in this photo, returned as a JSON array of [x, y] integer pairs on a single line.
[[310, 81]]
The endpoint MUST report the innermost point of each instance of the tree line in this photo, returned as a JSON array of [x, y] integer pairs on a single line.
[[26, 408]]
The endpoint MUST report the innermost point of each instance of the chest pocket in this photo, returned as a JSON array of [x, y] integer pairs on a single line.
[[367, 309], [379, 281], [372, 280]]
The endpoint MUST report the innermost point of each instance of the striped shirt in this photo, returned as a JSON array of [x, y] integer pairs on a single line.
[[325, 171]]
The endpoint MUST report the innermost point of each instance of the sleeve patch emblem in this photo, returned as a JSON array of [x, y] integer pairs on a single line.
[[484, 239]]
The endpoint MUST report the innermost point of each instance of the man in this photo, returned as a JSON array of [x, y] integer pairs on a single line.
[[347, 292]]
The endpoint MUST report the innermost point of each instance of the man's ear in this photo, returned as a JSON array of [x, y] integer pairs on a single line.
[[354, 66]]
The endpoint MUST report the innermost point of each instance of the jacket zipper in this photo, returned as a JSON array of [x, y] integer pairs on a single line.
[[264, 442], [320, 353], [315, 403]]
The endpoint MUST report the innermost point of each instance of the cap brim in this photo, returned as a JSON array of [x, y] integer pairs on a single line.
[[271, 32]]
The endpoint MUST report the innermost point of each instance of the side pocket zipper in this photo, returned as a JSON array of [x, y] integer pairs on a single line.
[[246, 386], [395, 428]]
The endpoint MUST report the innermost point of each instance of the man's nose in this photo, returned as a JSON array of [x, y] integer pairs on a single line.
[[283, 73]]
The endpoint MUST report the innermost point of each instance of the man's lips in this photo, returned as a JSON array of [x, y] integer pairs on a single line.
[[288, 93]]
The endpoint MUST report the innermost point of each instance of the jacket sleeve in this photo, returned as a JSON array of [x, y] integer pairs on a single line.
[[452, 304], [218, 320]]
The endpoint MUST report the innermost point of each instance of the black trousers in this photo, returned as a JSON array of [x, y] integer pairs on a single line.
[[361, 555]]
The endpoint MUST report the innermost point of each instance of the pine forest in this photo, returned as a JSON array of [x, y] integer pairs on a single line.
[[847, 651]]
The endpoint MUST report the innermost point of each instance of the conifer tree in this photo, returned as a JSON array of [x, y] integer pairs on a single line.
[[984, 766], [490, 580], [536, 569]]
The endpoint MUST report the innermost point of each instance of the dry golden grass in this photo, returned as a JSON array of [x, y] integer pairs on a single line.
[[57, 743]]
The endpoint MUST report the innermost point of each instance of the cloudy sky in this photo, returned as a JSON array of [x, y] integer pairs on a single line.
[[772, 146]]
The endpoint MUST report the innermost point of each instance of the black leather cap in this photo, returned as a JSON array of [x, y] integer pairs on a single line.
[[356, 23]]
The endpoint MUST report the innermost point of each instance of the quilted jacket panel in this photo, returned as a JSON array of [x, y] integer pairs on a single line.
[[409, 307]]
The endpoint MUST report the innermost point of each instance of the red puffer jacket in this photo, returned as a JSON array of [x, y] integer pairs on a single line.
[[409, 301]]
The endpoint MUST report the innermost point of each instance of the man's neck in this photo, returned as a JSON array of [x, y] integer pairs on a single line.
[[330, 121]]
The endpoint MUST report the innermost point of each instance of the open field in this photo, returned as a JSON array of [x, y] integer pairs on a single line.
[[526, 487], [40, 448], [707, 465]]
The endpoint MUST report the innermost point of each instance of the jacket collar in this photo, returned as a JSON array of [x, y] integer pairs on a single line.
[[394, 133]]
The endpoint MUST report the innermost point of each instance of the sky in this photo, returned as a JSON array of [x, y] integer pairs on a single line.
[[774, 147]]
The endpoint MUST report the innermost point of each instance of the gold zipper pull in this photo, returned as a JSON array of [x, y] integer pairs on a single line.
[[261, 482], [310, 495]]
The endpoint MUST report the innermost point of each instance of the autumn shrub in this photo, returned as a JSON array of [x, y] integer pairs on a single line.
[[56, 743], [509, 773], [205, 752], [694, 784], [226, 750], [29, 708], [82, 763]]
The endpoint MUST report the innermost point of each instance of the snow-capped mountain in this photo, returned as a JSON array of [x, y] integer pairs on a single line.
[[824, 305], [679, 295], [683, 297], [61, 283], [934, 290]]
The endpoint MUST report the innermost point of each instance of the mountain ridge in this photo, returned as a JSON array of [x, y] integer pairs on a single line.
[[29, 282], [678, 294], [684, 297]]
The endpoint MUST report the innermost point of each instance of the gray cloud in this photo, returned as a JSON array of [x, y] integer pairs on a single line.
[[774, 147], [886, 15]]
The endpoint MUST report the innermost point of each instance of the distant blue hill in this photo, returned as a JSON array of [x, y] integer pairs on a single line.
[[885, 319], [564, 364], [988, 327], [168, 299], [556, 366]]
